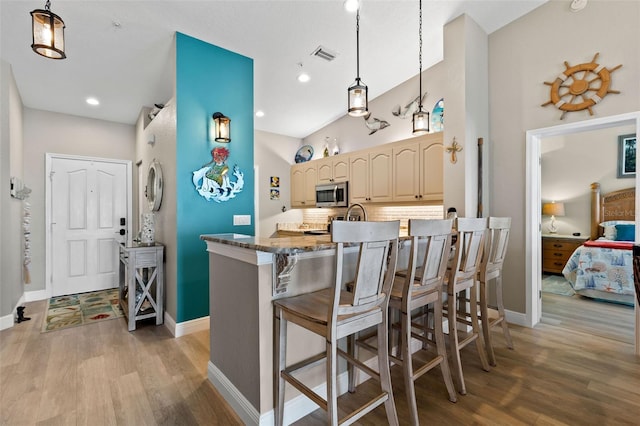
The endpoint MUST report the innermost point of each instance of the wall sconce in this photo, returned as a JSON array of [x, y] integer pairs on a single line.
[[222, 127], [48, 33]]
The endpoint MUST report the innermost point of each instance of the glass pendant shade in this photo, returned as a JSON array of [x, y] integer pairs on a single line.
[[420, 122], [358, 99], [48, 34], [222, 128]]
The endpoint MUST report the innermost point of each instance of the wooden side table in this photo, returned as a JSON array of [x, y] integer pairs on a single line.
[[557, 249], [142, 282]]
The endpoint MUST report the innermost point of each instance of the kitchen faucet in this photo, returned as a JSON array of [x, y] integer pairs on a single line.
[[364, 212]]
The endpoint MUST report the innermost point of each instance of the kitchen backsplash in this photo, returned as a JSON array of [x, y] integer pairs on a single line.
[[378, 213]]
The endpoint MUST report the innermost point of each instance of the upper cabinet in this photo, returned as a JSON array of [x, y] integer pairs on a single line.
[[408, 171], [303, 184], [333, 169], [418, 169]]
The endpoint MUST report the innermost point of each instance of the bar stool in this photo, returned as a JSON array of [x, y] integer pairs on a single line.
[[463, 277], [334, 313], [412, 292], [491, 268]]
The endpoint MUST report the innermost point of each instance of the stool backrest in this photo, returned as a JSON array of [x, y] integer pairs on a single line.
[[469, 248], [496, 244], [375, 267], [436, 235]]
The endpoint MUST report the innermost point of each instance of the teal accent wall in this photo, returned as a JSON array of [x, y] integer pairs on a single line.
[[208, 79]]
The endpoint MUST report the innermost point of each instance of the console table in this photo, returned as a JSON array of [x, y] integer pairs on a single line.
[[142, 282]]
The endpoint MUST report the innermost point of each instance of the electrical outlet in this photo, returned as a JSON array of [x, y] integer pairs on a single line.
[[241, 219]]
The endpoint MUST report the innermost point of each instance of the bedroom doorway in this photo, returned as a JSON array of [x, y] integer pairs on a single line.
[[533, 197]]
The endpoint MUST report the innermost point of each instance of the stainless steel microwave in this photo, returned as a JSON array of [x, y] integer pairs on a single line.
[[332, 195]]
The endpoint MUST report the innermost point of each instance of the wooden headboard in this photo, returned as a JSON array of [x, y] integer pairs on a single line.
[[616, 205]]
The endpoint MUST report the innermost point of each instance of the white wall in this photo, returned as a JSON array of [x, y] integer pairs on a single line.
[[49, 132], [522, 56], [570, 163], [273, 156], [11, 209]]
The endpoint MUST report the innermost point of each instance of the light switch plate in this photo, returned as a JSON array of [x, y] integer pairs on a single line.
[[241, 219]]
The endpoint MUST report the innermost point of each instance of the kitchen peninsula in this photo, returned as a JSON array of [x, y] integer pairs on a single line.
[[245, 274]]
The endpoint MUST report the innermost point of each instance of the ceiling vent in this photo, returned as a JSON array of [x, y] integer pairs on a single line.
[[324, 53]]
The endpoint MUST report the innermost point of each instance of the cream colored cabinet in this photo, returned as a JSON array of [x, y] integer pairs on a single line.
[[333, 169], [418, 169], [303, 185], [370, 176]]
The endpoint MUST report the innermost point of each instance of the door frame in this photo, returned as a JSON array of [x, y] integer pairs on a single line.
[[49, 157], [533, 258]]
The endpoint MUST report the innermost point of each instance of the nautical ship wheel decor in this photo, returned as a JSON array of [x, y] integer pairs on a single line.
[[580, 87]]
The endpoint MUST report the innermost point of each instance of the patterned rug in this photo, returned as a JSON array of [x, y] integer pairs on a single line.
[[556, 284], [82, 308]]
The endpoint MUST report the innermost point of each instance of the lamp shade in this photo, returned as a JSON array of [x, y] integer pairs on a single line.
[[48, 33], [553, 209]]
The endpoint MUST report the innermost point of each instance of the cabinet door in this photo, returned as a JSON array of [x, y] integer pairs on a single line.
[[297, 186], [431, 170], [406, 172], [325, 170], [359, 183], [310, 180], [380, 175], [341, 169]]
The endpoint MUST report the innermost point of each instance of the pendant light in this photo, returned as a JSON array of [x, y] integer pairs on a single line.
[[357, 92], [420, 117], [48, 33]]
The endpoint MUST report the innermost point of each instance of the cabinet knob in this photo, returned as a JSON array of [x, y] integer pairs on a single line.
[[557, 254], [415, 196], [557, 245]]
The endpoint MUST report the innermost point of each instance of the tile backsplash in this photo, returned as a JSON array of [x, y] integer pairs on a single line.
[[378, 213]]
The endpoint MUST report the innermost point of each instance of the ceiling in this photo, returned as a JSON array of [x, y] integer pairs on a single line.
[[119, 51]]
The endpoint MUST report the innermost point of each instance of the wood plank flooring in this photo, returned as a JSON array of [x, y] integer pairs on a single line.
[[100, 374]]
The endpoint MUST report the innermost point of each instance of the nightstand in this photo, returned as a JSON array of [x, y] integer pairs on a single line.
[[557, 249]]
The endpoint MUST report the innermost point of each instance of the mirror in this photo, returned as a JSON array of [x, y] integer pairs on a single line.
[[154, 186]]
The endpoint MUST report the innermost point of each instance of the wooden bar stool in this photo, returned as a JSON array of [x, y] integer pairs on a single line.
[[491, 269], [334, 313], [463, 277], [412, 293]]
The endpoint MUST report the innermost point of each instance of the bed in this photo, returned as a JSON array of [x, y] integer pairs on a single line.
[[602, 268]]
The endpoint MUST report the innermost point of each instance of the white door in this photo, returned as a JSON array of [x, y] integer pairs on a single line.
[[88, 202]]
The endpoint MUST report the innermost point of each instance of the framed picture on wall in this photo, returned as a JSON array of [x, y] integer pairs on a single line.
[[627, 156]]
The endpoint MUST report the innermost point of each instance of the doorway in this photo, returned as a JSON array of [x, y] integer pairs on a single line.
[[88, 207], [533, 201]]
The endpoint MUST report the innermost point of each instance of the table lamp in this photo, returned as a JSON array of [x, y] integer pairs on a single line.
[[553, 209]]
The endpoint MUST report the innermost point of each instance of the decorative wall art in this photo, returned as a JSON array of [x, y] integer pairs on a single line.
[[213, 182], [274, 190], [437, 116], [409, 109], [453, 150], [580, 87], [627, 156], [374, 124]]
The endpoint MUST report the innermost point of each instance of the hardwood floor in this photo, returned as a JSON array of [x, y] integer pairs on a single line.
[[100, 374]]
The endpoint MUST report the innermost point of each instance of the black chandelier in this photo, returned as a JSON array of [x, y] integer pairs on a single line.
[[420, 117], [48, 33], [357, 92]]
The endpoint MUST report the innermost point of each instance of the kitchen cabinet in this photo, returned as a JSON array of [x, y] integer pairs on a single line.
[[333, 169], [418, 169], [303, 184], [370, 176]]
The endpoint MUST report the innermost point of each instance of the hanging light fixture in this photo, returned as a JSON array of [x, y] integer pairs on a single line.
[[420, 117], [48, 33], [222, 127], [357, 92]]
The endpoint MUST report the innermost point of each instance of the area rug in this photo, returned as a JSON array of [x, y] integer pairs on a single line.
[[557, 285], [80, 309]]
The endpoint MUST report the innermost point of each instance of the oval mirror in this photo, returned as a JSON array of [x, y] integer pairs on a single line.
[[154, 186]]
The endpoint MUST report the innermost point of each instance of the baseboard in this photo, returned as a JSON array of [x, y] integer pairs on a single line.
[[8, 321], [517, 318], [185, 327], [32, 296]]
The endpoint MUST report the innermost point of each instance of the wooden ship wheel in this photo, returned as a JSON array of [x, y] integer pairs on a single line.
[[580, 87]]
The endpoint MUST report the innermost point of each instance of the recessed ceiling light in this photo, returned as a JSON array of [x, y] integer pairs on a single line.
[[351, 5], [93, 101], [259, 113], [303, 77]]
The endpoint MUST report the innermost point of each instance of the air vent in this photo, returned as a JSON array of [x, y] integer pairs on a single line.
[[324, 53]]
